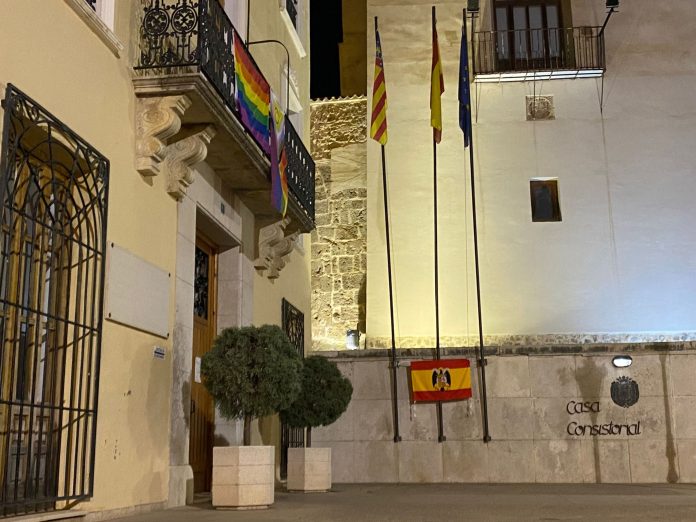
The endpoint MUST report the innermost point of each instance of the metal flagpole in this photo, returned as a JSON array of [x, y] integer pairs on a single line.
[[440, 427], [378, 131], [395, 402], [482, 359]]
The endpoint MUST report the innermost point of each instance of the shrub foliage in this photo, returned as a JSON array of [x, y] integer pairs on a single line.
[[324, 397], [252, 372]]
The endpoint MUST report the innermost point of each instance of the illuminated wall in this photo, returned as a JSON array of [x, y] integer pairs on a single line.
[[618, 268]]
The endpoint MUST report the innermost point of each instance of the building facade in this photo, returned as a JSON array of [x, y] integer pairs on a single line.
[[137, 223], [583, 170]]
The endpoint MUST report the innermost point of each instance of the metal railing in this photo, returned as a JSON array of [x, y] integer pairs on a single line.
[[570, 48], [300, 171], [291, 7], [178, 36]]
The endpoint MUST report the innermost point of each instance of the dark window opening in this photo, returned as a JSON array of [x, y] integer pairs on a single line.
[[545, 205], [530, 34]]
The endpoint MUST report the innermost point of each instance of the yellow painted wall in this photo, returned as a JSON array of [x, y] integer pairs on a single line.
[[48, 52]]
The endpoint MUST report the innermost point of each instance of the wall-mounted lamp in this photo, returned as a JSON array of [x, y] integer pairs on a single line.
[[622, 361], [472, 6], [613, 4], [353, 339]]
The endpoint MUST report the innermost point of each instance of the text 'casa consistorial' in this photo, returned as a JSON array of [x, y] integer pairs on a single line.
[[581, 429]]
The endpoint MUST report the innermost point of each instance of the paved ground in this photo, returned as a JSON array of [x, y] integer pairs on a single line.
[[450, 502]]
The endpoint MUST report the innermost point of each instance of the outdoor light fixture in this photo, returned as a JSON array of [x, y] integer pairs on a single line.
[[611, 4], [353, 339], [622, 361], [473, 6]]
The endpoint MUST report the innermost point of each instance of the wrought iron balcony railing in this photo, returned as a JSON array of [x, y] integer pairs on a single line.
[[554, 53], [291, 7], [179, 36]]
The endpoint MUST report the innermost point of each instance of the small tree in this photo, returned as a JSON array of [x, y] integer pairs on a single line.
[[324, 397], [252, 372]]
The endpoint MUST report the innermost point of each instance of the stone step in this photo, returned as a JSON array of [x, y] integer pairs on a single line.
[[50, 516]]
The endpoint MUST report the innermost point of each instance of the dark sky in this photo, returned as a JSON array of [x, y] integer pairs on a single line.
[[326, 32]]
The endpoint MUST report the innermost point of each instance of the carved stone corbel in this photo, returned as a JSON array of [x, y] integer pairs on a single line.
[[157, 120], [274, 246], [181, 156]]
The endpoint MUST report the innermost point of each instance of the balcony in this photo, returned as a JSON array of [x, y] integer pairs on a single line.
[[538, 54], [187, 49]]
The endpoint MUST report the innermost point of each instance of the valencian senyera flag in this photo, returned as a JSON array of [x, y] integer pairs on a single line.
[[464, 90], [253, 95], [378, 125], [440, 380], [437, 87], [279, 158]]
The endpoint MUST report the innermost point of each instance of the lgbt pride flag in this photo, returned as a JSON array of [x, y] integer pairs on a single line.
[[253, 95], [279, 158]]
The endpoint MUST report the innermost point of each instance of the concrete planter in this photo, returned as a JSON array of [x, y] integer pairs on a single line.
[[243, 477], [309, 469]]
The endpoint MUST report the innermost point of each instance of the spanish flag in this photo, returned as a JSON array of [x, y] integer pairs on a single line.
[[437, 87], [440, 380]]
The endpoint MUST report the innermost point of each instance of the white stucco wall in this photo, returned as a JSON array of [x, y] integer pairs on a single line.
[[621, 261]]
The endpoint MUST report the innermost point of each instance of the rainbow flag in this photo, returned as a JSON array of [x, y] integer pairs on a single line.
[[279, 158], [440, 380], [253, 95]]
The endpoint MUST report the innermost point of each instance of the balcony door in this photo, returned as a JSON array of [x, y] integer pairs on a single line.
[[530, 34]]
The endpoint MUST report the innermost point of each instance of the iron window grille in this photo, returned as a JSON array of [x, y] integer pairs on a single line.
[[293, 326], [53, 195]]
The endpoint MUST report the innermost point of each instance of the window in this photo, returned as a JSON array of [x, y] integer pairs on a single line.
[[544, 195], [99, 17], [53, 198], [530, 34]]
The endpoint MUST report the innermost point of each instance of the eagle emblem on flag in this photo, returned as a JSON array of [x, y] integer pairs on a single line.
[[442, 380]]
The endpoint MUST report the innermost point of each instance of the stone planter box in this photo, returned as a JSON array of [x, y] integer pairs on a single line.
[[309, 469], [243, 477]]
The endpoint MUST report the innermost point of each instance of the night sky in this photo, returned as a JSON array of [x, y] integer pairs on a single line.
[[326, 33]]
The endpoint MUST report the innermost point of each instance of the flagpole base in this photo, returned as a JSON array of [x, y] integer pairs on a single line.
[[486, 438], [397, 439], [441, 438]]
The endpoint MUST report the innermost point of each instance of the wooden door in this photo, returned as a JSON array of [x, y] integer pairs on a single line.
[[204, 325]]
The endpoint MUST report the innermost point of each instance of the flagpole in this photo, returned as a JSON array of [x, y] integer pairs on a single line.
[[440, 428], [378, 131], [482, 359], [395, 396]]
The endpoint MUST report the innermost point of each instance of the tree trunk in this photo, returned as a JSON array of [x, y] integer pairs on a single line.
[[308, 441], [247, 430]]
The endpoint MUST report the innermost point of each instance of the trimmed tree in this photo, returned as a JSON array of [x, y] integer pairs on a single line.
[[324, 397], [252, 372]]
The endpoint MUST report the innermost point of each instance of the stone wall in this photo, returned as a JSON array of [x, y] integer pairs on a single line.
[[339, 243], [539, 406]]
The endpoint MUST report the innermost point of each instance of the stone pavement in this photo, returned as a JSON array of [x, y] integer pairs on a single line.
[[455, 502]]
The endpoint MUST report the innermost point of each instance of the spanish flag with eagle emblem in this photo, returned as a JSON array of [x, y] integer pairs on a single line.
[[440, 380]]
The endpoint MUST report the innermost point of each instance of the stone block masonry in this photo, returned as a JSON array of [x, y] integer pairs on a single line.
[[554, 417], [339, 243]]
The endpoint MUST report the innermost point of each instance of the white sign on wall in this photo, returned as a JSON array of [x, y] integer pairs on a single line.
[[137, 292]]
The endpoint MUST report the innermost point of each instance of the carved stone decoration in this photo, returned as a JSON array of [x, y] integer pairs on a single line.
[[181, 156], [540, 107], [157, 120], [274, 246]]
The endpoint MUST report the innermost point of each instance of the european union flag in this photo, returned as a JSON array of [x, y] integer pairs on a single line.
[[464, 91]]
